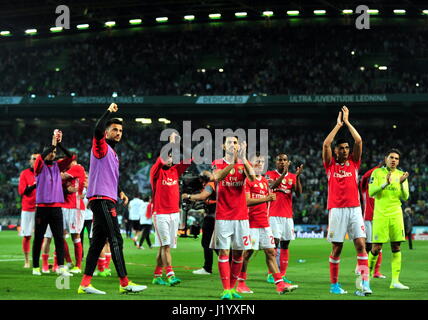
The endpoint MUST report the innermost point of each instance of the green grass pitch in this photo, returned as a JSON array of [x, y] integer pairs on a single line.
[[312, 276]]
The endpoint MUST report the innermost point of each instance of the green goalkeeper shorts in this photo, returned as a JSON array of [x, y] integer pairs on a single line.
[[388, 229]]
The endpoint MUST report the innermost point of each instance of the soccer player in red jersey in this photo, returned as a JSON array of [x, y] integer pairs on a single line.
[[283, 183], [231, 228], [343, 202], [368, 203], [258, 198], [27, 190], [73, 207], [164, 176]]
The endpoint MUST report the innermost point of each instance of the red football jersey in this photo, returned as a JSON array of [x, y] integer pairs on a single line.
[[368, 201], [231, 200], [76, 179], [283, 205], [165, 186], [342, 183], [258, 215], [27, 179]]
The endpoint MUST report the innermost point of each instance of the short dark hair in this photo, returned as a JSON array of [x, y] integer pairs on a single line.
[[281, 154], [340, 141], [393, 150], [113, 121], [229, 135]]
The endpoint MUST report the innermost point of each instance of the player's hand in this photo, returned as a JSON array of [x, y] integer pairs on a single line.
[[71, 189], [271, 197], [299, 170], [243, 150], [124, 198], [345, 111], [339, 119], [388, 178], [235, 156], [173, 138], [113, 107], [54, 140], [184, 196], [404, 177]]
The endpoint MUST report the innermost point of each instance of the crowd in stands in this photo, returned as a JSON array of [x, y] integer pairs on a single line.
[[310, 59], [303, 146]]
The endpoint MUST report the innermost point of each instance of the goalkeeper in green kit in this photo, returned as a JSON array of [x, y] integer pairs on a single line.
[[389, 186]]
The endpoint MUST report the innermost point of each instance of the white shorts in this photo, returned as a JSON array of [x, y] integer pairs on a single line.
[[345, 220], [369, 230], [166, 228], [262, 238], [233, 234], [73, 220], [27, 223], [282, 228]]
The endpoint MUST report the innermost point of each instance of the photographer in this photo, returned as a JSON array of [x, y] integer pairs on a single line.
[[208, 195]]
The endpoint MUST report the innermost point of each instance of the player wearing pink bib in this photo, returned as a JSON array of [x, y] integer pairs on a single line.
[[258, 200], [343, 202], [231, 228], [283, 183]]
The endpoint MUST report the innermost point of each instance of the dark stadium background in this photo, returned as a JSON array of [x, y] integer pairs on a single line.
[[288, 74]]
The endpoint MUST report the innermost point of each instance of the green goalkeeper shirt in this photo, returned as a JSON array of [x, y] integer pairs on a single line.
[[388, 200]]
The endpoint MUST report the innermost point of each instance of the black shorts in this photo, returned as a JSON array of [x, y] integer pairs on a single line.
[[136, 225]]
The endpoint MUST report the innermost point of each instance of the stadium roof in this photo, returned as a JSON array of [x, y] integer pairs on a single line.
[[21, 15]]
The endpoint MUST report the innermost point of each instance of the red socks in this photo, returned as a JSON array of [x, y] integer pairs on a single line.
[[158, 272], [235, 270], [224, 270], [86, 280], [108, 259], [45, 263], [378, 262], [278, 278], [242, 276], [67, 253], [169, 272], [78, 250], [124, 281], [363, 265], [55, 266], [283, 261], [26, 244], [334, 269], [100, 264]]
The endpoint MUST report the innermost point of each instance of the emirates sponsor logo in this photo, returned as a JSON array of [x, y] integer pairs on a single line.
[[232, 183], [169, 182], [342, 174]]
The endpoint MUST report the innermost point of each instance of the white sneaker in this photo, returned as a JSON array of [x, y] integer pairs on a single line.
[[89, 289], [64, 272], [69, 266], [132, 288], [398, 285], [201, 271], [36, 272]]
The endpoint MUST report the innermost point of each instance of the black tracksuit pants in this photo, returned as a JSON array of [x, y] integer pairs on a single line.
[[207, 232], [51, 216], [105, 227]]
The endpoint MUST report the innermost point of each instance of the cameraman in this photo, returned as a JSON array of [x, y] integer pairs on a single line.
[[208, 195]]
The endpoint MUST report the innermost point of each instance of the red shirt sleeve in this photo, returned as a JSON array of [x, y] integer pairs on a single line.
[[38, 165], [99, 147], [247, 186], [64, 163], [22, 183]]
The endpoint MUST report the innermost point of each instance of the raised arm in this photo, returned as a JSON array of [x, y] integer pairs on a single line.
[[326, 147], [358, 141], [248, 169], [277, 182], [298, 188]]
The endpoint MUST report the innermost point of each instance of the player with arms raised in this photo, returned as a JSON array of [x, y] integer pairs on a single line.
[[343, 202]]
